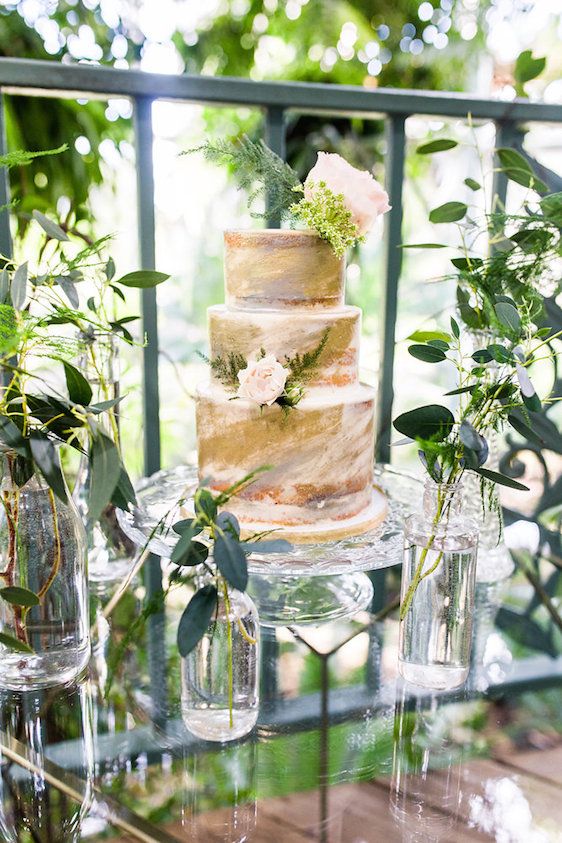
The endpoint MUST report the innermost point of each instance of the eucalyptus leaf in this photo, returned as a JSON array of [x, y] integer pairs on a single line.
[[46, 459], [524, 430], [432, 421], [517, 169], [110, 269], [18, 596], [472, 184], [508, 316], [532, 402], [195, 554], [187, 525], [501, 479], [196, 618], [424, 246], [551, 206], [438, 145], [105, 471], [230, 559], [449, 212], [425, 336], [427, 353], [124, 492], [527, 68], [11, 435], [79, 390], [15, 644], [456, 331], [142, 279], [4, 286], [467, 264], [228, 521], [50, 228], [70, 291], [19, 286], [205, 504]]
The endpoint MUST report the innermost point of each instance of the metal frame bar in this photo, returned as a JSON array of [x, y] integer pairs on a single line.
[[75, 80]]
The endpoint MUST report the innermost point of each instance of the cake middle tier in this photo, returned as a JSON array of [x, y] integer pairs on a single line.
[[321, 453], [285, 334]]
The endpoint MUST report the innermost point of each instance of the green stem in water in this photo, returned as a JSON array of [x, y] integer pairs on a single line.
[[230, 655]]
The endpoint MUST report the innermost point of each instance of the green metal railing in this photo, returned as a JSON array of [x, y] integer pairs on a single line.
[[277, 100]]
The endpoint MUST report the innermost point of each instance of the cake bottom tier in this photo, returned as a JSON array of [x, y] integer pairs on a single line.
[[319, 486]]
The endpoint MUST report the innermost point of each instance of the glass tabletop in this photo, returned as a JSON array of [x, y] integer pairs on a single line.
[[343, 750]]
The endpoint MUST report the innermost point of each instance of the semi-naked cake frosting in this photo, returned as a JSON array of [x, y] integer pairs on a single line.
[[284, 294]]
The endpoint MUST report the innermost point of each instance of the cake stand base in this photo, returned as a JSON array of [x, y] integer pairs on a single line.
[[299, 601]]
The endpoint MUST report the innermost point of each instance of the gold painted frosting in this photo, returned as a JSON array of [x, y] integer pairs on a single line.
[[283, 290]]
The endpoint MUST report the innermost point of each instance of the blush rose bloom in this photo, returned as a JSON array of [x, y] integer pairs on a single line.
[[263, 381], [362, 194]]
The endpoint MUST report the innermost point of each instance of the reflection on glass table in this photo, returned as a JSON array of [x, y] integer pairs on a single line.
[[343, 751]]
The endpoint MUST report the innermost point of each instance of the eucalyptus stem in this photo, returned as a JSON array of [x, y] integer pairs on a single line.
[[230, 654]]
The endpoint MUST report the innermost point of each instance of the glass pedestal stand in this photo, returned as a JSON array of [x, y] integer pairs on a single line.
[[311, 584]]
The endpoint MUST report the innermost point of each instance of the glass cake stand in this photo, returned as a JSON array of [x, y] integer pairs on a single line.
[[312, 583]]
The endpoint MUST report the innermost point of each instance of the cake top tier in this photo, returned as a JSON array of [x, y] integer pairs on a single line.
[[275, 269]]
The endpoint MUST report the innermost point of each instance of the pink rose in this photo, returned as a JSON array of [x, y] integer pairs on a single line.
[[263, 381], [362, 194]]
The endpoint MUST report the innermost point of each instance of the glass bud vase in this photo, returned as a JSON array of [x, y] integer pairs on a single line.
[[110, 552], [437, 595], [220, 676], [43, 550]]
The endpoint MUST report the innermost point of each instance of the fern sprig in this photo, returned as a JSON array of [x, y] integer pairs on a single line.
[[302, 365], [258, 170]]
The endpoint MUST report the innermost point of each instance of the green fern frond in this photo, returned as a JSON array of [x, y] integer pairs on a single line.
[[257, 169], [302, 366], [21, 158]]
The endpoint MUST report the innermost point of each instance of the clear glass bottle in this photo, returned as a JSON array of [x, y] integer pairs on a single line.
[[437, 596], [41, 800], [43, 549], [220, 677], [425, 789], [110, 552], [225, 808]]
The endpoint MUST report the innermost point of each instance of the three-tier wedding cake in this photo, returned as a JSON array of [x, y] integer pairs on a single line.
[[284, 391]]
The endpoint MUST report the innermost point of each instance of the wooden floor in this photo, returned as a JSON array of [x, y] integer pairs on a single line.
[[360, 813]]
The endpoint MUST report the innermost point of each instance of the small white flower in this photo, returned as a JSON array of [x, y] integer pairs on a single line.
[[262, 381]]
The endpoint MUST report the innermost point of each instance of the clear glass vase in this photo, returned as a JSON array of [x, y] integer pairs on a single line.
[[110, 552], [42, 549], [47, 754], [437, 595], [425, 788], [220, 677]]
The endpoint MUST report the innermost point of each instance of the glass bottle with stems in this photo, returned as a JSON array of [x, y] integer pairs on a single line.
[[110, 552], [44, 610], [220, 676], [437, 596]]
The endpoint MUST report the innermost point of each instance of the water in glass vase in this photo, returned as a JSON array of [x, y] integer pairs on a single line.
[[42, 550], [438, 582], [220, 677]]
